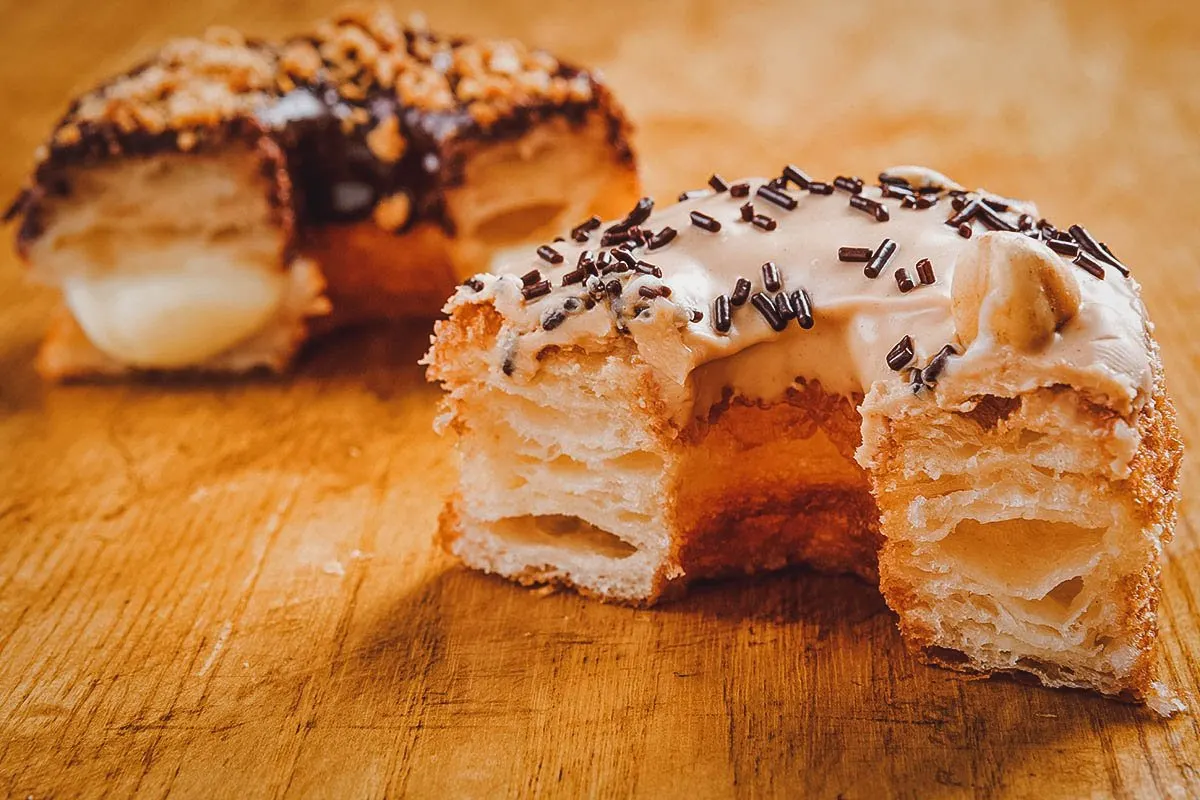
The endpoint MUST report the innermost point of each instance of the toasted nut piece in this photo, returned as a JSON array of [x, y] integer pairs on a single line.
[[386, 142], [392, 212], [1012, 289]]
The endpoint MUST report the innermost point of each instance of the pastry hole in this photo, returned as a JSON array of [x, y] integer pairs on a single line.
[[564, 532], [1012, 556], [1065, 593]]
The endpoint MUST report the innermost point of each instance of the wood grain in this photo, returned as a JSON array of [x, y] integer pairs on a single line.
[[228, 589]]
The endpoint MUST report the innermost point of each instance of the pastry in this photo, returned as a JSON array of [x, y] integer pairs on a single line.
[[911, 382], [208, 209]]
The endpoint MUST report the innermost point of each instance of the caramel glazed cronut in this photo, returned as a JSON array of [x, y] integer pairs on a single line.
[[209, 207], [993, 443]]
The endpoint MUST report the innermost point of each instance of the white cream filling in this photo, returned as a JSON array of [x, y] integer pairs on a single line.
[[173, 318]]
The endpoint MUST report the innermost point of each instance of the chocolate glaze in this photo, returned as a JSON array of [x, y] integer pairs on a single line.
[[321, 170]]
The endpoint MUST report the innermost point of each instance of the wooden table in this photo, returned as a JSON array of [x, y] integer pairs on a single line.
[[229, 589]]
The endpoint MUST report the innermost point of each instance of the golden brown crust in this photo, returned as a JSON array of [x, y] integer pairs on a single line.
[[1151, 489], [376, 275]]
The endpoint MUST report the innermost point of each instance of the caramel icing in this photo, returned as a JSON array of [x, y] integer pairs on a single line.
[[1103, 351]]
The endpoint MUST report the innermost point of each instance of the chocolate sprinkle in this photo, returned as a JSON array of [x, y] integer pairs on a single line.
[[784, 307], [763, 222], [966, 212], [574, 276], [796, 175], [1090, 263], [662, 238], [747, 210], [704, 221], [1121, 268], [580, 232], [803, 305], [925, 272], [859, 254], [994, 204], [740, 190], [1063, 247], [765, 307], [994, 220], [611, 238], [771, 278], [872, 207], [741, 291], [613, 288], [964, 230], [552, 319], [623, 257], [548, 253], [926, 201], [934, 368], [900, 355], [531, 277], [880, 258], [897, 190], [1095, 248], [903, 281], [536, 290], [717, 183], [646, 268], [722, 315], [851, 185], [640, 212], [474, 284], [778, 196], [817, 187]]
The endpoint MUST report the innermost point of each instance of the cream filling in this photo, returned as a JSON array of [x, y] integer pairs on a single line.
[[173, 318]]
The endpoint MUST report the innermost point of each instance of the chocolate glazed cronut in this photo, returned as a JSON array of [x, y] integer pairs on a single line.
[[205, 209]]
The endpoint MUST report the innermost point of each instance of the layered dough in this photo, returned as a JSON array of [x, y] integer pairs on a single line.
[[1011, 481], [212, 208]]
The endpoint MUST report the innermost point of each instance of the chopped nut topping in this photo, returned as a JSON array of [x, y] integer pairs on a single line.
[[300, 60], [196, 83], [392, 212], [385, 141]]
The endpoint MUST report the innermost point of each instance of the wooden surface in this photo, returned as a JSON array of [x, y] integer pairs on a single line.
[[229, 590]]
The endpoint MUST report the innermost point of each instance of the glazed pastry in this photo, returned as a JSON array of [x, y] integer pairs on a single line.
[[208, 208], [792, 371]]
